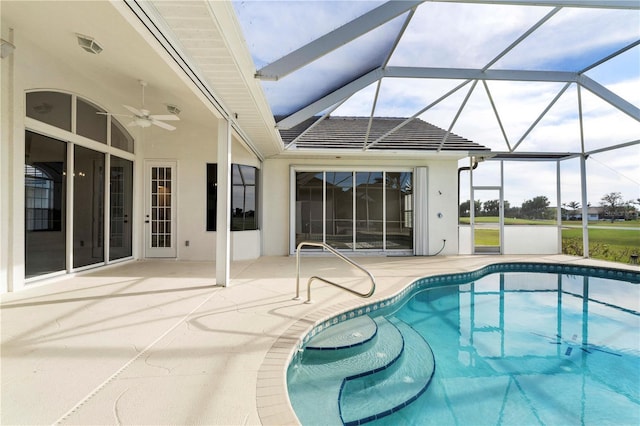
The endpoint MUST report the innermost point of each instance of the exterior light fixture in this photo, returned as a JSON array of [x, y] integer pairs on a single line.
[[172, 109], [89, 44], [6, 48]]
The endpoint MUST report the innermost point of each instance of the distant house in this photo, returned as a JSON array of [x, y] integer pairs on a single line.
[[595, 213]]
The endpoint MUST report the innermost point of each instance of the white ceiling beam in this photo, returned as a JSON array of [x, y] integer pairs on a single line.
[[330, 100], [459, 74], [455, 119], [610, 97], [413, 117], [479, 74], [607, 58], [522, 37], [495, 111], [541, 116], [597, 4], [335, 39], [613, 147]]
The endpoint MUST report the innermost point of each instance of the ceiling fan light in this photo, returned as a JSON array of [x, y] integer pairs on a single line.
[[143, 122]]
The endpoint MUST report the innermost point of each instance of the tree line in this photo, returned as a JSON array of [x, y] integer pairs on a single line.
[[612, 207]]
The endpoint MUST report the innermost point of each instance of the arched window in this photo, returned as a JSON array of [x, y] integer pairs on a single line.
[[92, 122], [65, 201]]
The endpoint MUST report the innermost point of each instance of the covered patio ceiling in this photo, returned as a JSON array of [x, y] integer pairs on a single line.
[[517, 76]]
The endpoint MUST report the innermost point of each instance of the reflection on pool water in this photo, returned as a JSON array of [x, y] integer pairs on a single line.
[[509, 348]]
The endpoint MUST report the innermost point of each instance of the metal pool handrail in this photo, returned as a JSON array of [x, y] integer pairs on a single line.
[[341, 256]]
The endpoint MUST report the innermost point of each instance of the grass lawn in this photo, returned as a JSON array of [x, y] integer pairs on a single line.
[[616, 245], [487, 237], [514, 221], [605, 241], [507, 221]]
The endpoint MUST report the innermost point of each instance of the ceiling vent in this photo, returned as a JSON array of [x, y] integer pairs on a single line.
[[89, 44]]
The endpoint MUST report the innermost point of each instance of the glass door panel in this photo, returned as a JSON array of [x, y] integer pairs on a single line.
[[326, 204], [369, 210], [399, 207], [339, 209], [45, 205], [309, 203], [88, 207], [120, 211]]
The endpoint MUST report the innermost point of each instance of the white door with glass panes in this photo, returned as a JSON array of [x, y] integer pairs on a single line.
[[160, 209]]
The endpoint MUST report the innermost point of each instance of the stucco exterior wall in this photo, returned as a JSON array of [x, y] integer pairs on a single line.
[[191, 145], [441, 198]]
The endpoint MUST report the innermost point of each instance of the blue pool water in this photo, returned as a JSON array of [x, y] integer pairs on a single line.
[[492, 348]]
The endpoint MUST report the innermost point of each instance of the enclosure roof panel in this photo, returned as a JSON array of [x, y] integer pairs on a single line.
[[563, 58]]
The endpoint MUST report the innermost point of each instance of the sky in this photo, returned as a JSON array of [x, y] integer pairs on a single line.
[[472, 36]]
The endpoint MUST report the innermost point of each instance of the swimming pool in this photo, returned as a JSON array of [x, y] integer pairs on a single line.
[[508, 344]]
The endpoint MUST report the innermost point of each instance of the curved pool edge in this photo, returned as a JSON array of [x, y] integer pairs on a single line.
[[272, 399]]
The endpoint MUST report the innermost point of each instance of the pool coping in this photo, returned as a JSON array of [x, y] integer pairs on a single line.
[[272, 400]]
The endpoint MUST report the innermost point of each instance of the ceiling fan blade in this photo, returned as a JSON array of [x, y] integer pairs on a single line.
[[163, 125], [115, 115], [134, 110], [167, 117]]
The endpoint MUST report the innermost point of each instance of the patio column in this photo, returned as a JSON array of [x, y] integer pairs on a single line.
[[223, 206], [421, 216]]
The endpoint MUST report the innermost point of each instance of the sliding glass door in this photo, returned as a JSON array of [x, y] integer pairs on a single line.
[[370, 210], [120, 212], [44, 213], [355, 210], [88, 207], [46, 190], [339, 209]]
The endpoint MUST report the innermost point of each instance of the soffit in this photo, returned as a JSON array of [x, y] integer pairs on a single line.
[[208, 39], [126, 57]]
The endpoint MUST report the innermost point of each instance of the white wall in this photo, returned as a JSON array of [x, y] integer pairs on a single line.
[[442, 198], [191, 144], [6, 166], [33, 68], [193, 147]]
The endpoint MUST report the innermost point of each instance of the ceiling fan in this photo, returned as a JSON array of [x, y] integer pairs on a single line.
[[143, 118]]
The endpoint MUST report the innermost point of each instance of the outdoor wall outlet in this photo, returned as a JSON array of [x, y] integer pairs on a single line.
[[186, 243]]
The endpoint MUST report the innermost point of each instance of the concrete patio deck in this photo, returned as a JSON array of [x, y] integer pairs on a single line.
[[157, 342]]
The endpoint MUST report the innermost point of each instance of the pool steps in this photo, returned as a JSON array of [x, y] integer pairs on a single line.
[[371, 397], [346, 335], [347, 364], [319, 374]]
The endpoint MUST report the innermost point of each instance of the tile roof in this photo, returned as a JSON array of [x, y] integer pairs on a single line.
[[350, 133]]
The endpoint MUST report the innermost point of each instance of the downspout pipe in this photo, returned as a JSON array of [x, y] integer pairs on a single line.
[[463, 169]]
